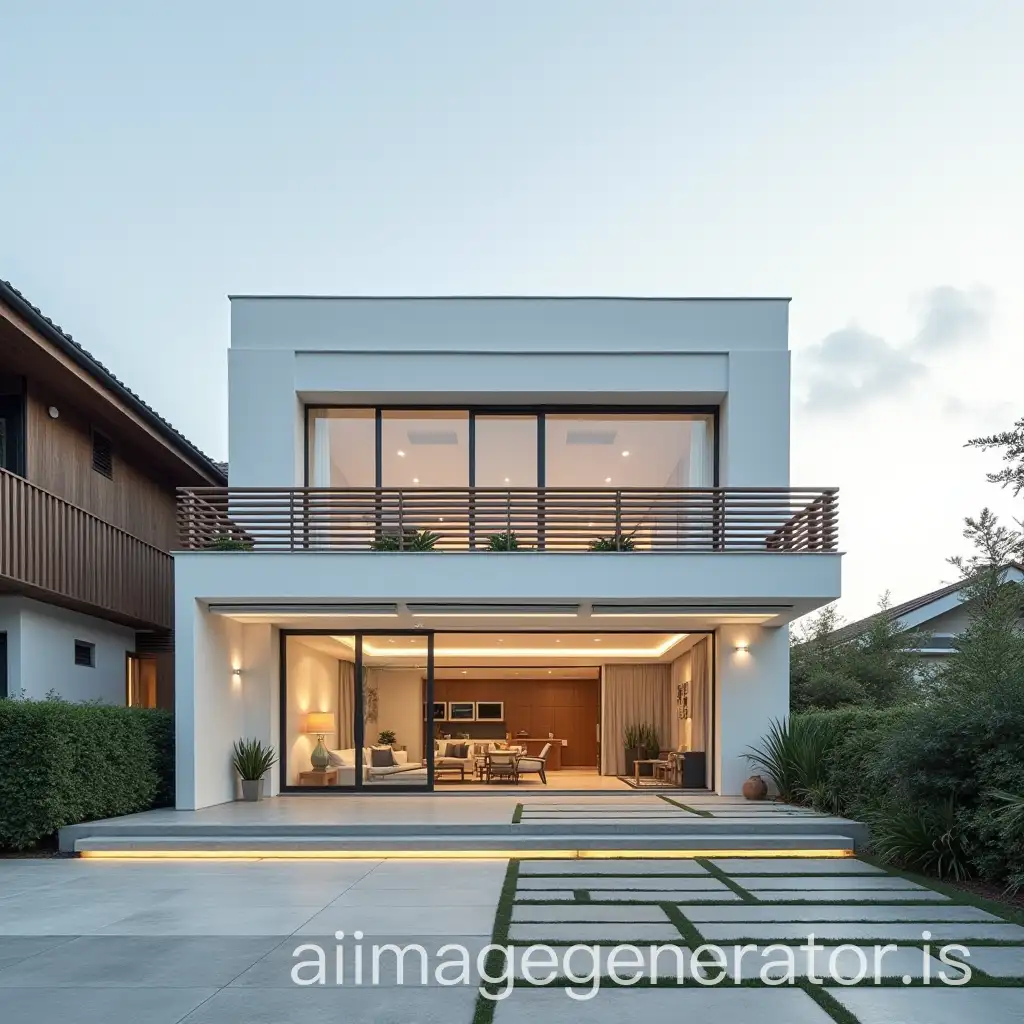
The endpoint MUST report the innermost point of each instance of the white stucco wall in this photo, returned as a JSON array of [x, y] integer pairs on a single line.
[[287, 352], [753, 688], [41, 652]]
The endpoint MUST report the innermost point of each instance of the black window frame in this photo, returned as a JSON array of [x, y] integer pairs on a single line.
[[89, 648], [540, 411], [100, 439]]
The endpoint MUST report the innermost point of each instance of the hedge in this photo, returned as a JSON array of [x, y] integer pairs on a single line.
[[63, 763]]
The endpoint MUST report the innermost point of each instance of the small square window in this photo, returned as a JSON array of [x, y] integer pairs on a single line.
[[102, 455], [85, 654]]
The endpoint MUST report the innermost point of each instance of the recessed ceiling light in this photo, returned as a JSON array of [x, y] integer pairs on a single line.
[[506, 479], [440, 519], [391, 641], [607, 479], [597, 639], [463, 671], [549, 671], [400, 453], [558, 641], [415, 479], [500, 641], [625, 454]]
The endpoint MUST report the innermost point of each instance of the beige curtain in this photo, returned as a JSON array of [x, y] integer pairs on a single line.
[[346, 704], [634, 695], [700, 693]]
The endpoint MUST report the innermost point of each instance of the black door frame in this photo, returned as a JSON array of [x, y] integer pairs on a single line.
[[359, 725]]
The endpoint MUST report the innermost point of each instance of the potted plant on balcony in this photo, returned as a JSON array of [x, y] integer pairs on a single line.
[[252, 760], [507, 541], [411, 540], [616, 542], [225, 542]]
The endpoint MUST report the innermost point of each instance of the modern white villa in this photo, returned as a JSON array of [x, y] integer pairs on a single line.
[[475, 542]]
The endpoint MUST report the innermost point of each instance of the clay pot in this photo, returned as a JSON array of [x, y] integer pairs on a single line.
[[755, 788]]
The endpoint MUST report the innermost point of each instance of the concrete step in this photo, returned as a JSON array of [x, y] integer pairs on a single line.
[[313, 842]]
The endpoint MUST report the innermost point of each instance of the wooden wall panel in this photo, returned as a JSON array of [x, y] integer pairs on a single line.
[[566, 707], [59, 459]]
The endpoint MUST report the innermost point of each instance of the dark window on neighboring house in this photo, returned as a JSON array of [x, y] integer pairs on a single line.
[[3, 665], [85, 654], [102, 454], [12, 427]]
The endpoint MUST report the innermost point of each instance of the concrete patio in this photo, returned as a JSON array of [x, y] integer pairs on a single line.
[[188, 942]]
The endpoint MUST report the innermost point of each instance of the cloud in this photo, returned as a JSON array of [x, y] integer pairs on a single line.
[[951, 317], [852, 367]]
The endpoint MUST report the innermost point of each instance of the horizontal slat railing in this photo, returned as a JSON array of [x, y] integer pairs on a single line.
[[547, 518], [49, 544]]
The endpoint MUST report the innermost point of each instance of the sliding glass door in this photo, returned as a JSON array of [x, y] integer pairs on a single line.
[[356, 711]]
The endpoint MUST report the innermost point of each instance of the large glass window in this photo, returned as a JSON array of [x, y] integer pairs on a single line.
[[628, 450], [506, 451], [342, 448], [428, 448]]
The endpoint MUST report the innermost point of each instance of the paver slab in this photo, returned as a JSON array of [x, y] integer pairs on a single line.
[[850, 895], [796, 866], [953, 931], [614, 1005], [805, 912], [587, 912], [836, 964], [754, 882], [669, 960], [999, 961], [612, 932], [588, 866], [616, 884], [933, 1005]]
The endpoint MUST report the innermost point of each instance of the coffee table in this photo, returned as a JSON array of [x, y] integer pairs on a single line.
[[655, 761], [450, 768]]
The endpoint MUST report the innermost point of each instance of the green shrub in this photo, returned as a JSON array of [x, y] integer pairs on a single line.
[[503, 541], [792, 755], [411, 540], [63, 763]]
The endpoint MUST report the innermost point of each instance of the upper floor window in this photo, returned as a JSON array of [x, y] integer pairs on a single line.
[[12, 426], [408, 448], [102, 454]]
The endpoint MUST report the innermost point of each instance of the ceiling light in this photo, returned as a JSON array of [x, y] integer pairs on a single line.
[[558, 641], [391, 641], [463, 671], [415, 479], [506, 479], [607, 479], [597, 639], [625, 454], [400, 453]]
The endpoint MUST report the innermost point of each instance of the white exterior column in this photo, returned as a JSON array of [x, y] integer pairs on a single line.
[[752, 689]]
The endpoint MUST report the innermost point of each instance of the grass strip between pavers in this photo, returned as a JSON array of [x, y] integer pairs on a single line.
[[517, 814], [581, 895], [685, 807], [717, 872], [484, 1013]]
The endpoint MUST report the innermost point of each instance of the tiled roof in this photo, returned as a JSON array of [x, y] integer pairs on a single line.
[[854, 629], [85, 359]]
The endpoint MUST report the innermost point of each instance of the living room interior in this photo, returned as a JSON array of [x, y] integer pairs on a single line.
[[531, 710]]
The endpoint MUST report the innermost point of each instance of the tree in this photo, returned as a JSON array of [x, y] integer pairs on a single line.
[[1012, 443], [878, 668]]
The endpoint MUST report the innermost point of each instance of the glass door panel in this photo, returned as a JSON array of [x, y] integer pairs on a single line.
[[319, 747], [397, 711]]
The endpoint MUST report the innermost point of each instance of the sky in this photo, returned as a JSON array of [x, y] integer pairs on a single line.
[[864, 158]]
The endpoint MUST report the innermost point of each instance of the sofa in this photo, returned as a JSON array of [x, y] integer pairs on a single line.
[[402, 772]]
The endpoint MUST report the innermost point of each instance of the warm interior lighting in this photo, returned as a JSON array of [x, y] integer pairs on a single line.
[[643, 653], [319, 722], [415, 479], [625, 455], [496, 615], [484, 854], [400, 453], [742, 647], [236, 674], [607, 479]]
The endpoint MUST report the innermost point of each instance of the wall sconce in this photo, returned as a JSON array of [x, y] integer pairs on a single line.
[[236, 675], [743, 647]]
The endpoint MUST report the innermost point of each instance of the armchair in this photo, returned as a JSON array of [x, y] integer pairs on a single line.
[[502, 764], [535, 765]]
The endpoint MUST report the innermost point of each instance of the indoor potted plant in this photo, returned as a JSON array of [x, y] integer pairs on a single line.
[[386, 738], [252, 760], [641, 743]]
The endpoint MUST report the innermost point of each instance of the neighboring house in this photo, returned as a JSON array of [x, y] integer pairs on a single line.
[[87, 517], [939, 616], [360, 427]]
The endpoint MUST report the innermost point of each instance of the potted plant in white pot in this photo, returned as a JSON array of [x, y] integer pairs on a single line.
[[252, 760]]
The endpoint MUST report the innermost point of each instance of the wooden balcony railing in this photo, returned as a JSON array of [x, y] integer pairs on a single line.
[[476, 518], [55, 549]]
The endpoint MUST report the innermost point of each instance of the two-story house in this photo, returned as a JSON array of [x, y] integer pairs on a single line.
[[465, 521], [88, 474]]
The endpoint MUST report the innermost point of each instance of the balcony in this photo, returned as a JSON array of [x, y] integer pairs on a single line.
[[56, 551], [642, 520]]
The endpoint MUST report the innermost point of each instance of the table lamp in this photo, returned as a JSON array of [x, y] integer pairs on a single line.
[[318, 723]]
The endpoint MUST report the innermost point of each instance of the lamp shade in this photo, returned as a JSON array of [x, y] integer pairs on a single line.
[[320, 722]]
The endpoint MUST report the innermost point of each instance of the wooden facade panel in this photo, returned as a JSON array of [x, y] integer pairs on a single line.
[[568, 708], [59, 459]]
